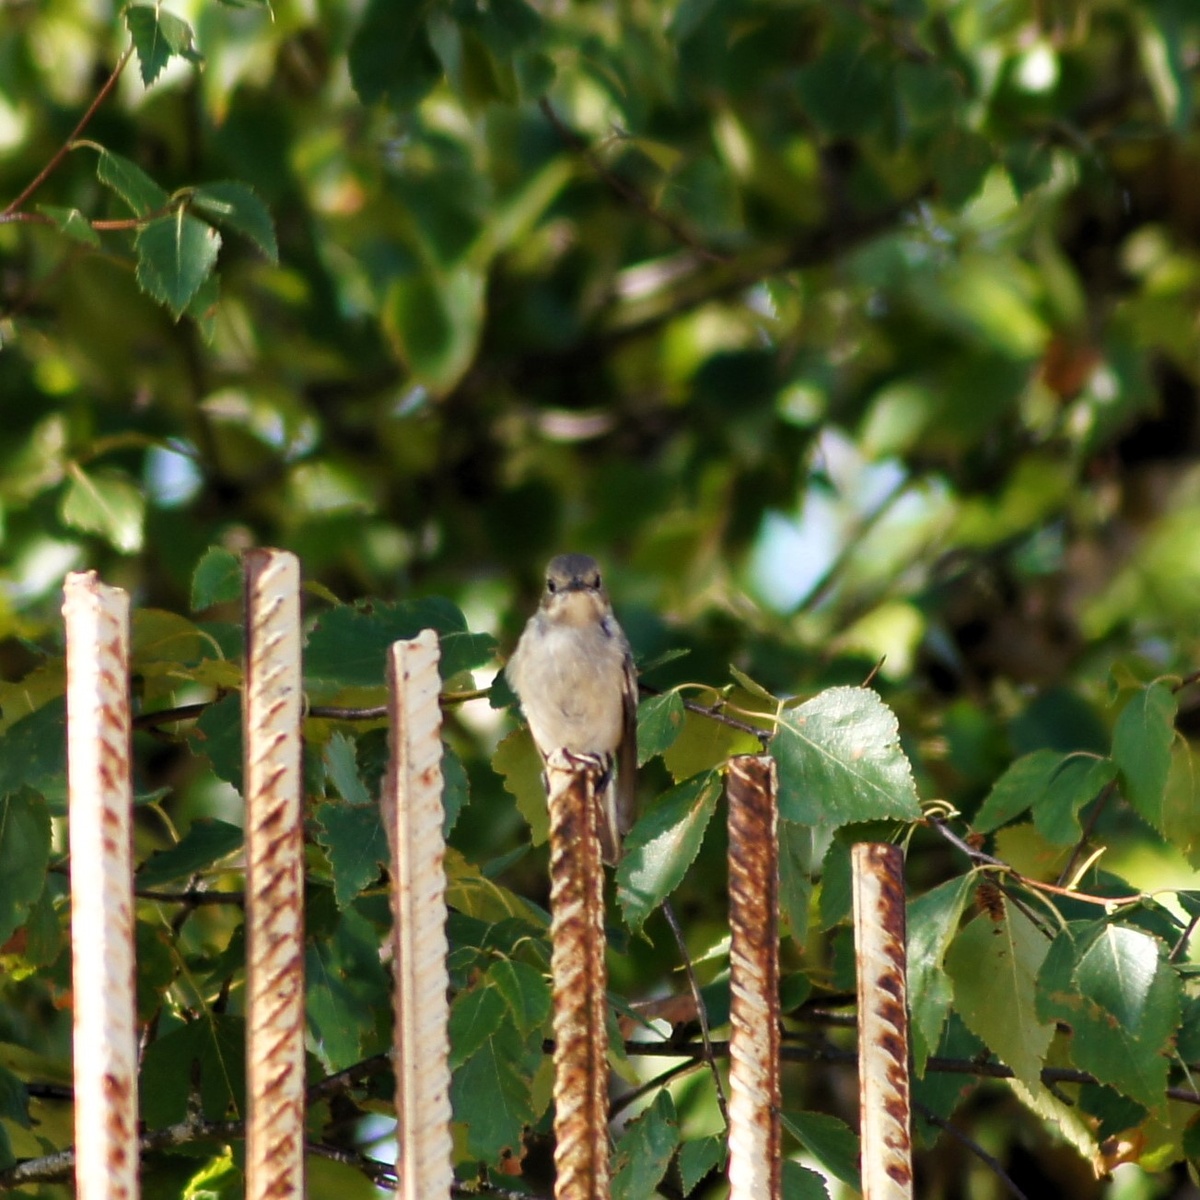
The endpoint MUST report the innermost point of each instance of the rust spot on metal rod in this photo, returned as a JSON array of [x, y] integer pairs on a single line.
[[754, 1126], [579, 976]]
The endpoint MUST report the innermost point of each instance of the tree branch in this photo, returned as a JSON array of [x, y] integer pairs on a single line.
[[625, 190], [62, 152]]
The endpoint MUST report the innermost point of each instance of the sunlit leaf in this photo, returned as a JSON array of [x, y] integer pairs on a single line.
[[660, 719], [993, 965], [237, 206], [1142, 749], [840, 760], [105, 503], [662, 845], [932, 923], [158, 36]]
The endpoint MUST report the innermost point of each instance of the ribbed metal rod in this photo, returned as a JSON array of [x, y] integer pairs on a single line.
[[102, 923], [413, 814], [883, 1045], [579, 977], [274, 879], [754, 1033]]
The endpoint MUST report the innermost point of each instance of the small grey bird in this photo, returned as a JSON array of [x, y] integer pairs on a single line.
[[573, 673]]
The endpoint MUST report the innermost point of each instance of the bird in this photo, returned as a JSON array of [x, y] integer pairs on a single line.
[[573, 672]]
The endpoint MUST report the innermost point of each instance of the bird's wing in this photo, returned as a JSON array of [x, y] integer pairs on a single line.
[[627, 750]]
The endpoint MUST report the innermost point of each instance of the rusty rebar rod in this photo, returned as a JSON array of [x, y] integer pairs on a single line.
[[413, 815], [883, 1076], [272, 704], [579, 976], [102, 925], [754, 1099]]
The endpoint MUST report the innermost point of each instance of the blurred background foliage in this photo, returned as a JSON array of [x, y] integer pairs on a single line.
[[840, 332]]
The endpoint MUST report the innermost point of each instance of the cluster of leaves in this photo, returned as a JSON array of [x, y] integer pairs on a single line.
[[840, 331]]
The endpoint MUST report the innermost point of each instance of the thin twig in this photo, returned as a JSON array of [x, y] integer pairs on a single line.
[[1097, 808], [975, 1148], [1177, 951], [65, 148], [193, 897], [701, 1010], [621, 1103], [627, 192]]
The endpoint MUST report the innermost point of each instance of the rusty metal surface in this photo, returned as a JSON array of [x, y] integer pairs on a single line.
[[754, 1034], [274, 879], [883, 1077], [579, 978], [413, 813], [102, 932]]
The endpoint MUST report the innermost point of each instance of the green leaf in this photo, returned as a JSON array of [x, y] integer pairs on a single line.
[[491, 1096], [840, 760], [217, 735], [131, 183], [645, 1149], [659, 720], [346, 983], [456, 789], [662, 845], [1017, 790], [993, 966], [1181, 803], [474, 1017], [1078, 782], [1142, 749], [33, 752], [698, 1158], [932, 923], [1112, 984], [705, 743], [354, 838], [390, 56], [348, 645], [795, 876], [206, 1056], [72, 223], [158, 36], [829, 1140], [25, 853], [238, 207], [799, 1183], [525, 990], [341, 764], [176, 254], [434, 320], [207, 842], [518, 763], [217, 579], [105, 503], [14, 1099]]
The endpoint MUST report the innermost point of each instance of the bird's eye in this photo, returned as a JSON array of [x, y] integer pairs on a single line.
[[596, 581], [550, 586]]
